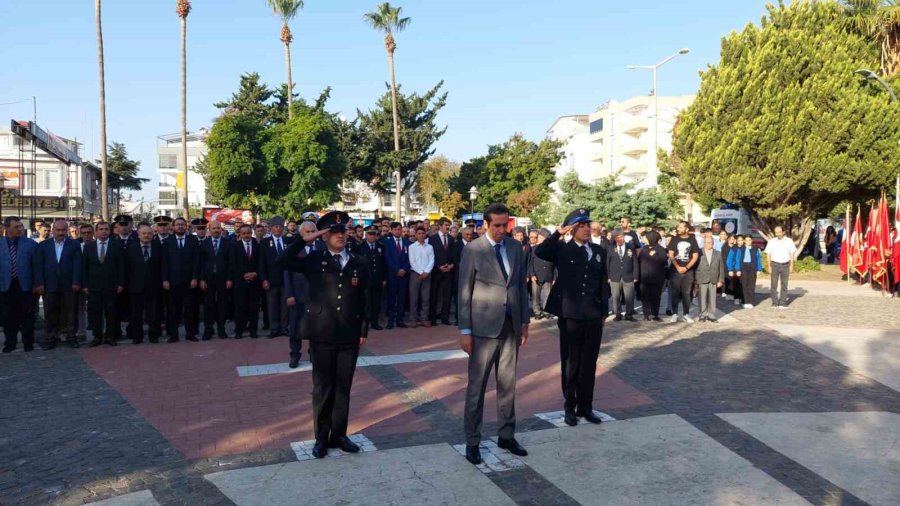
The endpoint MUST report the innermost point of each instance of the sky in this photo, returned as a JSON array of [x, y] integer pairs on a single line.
[[509, 66]]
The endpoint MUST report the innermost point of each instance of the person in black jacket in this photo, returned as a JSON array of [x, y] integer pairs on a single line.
[[542, 275], [578, 298], [214, 252], [335, 323], [104, 280], [624, 272], [243, 279], [373, 250], [442, 274], [653, 261], [144, 280], [180, 273], [272, 277]]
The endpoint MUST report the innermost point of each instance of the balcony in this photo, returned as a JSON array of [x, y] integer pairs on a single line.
[[634, 171], [634, 125], [632, 146]]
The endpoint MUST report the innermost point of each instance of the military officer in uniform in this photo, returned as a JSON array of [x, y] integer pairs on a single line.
[[373, 250], [335, 323], [578, 299]]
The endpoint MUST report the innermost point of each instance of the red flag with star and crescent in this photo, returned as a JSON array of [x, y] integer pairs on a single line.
[[856, 259], [880, 246]]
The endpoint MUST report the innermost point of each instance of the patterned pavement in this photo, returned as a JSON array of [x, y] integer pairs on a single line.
[[113, 423]]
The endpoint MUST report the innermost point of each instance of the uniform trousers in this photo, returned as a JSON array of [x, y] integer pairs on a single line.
[[215, 301], [18, 308], [144, 308], [333, 369], [748, 282], [579, 346], [182, 305], [373, 310], [295, 314], [501, 354], [59, 311]]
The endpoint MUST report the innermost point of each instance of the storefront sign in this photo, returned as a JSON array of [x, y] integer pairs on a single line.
[[10, 176]]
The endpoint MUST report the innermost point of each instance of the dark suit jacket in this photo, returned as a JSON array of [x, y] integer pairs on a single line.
[[239, 264], [335, 310], [623, 268], [394, 259], [108, 275], [214, 266], [143, 277], [540, 268], [62, 275], [268, 271], [374, 255], [181, 265], [442, 256], [580, 289]]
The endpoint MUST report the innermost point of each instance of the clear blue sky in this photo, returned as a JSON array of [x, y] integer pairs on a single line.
[[509, 66]]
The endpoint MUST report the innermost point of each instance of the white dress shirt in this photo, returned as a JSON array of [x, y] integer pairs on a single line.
[[585, 247], [780, 251], [58, 246], [345, 257], [502, 253], [421, 257]]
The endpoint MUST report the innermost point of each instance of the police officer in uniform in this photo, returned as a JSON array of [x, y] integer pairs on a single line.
[[578, 299], [373, 250], [335, 323]]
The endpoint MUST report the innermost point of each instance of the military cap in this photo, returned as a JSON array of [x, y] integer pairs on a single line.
[[276, 220], [518, 230], [123, 219], [335, 221], [162, 219], [373, 229], [580, 215], [470, 221], [544, 233], [310, 216], [199, 222]]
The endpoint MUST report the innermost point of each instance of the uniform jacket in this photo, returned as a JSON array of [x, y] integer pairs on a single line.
[[622, 268], [736, 258], [374, 255], [62, 275], [268, 254], [143, 276], [26, 263], [106, 275], [335, 307], [710, 271], [395, 259], [181, 265], [214, 265], [580, 289]]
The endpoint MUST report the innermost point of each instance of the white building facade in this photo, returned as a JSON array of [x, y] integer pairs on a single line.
[[170, 172], [577, 149]]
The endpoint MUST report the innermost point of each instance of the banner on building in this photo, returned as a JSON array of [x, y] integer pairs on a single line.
[[225, 215], [10, 177]]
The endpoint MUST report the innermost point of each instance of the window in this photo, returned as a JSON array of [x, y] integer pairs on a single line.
[[596, 126], [168, 161], [49, 179]]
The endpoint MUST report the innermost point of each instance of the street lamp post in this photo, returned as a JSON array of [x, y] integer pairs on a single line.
[[653, 170], [473, 194], [869, 75]]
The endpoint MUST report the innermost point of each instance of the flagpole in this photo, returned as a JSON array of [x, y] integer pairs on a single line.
[[847, 234]]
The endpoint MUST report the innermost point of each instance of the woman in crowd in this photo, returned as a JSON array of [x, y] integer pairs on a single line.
[[653, 262], [831, 244], [727, 245], [732, 264]]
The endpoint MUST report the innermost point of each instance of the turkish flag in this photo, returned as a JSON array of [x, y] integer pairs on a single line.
[[880, 246], [855, 258]]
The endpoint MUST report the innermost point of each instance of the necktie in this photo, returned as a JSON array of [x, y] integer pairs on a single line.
[[444, 240], [216, 246], [278, 245], [621, 251], [247, 245], [13, 259], [180, 244], [102, 251], [337, 259], [399, 246], [146, 253], [500, 261]]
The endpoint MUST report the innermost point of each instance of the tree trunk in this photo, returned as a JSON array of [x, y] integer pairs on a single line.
[[104, 200], [184, 115], [395, 115], [798, 228], [290, 82]]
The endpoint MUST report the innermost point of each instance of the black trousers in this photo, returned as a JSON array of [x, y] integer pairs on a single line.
[[652, 297], [246, 306], [182, 306], [215, 300], [295, 314], [440, 295], [59, 309], [333, 369], [748, 283], [18, 310], [682, 290], [102, 313], [373, 311], [579, 346], [144, 308]]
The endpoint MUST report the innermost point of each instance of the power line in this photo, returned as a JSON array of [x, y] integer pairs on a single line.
[[16, 102]]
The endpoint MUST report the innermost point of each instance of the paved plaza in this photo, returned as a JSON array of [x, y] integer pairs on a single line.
[[797, 406]]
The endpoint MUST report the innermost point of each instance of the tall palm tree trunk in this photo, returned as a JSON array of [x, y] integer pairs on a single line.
[[287, 64], [104, 201], [396, 125], [184, 114]]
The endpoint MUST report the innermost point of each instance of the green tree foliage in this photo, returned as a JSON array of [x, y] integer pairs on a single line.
[[432, 177], [452, 204], [783, 126], [122, 172], [237, 167], [369, 139], [253, 99]]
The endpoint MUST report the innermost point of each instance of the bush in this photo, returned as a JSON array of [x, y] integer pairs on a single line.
[[805, 264]]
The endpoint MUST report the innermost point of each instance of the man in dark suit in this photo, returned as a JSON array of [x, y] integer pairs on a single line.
[[442, 274], [143, 260], [123, 235], [578, 299], [163, 225], [214, 255], [58, 273], [373, 250], [624, 271], [104, 280], [296, 289], [466, 235], [493, 323], [243, 280], [18, 258], [180, 273], [336, 325], [542, 274], [273, 277], [396, 257]]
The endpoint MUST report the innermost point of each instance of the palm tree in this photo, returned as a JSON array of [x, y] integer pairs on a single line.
[[880, 20], [183, 8], [387, 19], [287, 10], [104, 200]]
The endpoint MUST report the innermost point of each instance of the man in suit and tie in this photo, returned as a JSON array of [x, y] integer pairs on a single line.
[[58, 278], [493, 323], [396, 256], [710, 276], [104, 280], [243, 279], [543, 275], [578, 299], [624, 272], [272, 276], [214, 255], [296, 289], [442, 275], [123, 235], [466, 235], [180, 274], [373, 250], [143, 260], [18, 258]]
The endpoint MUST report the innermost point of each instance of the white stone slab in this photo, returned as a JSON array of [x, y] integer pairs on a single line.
[[142, 498], [648, 461], [859, 452], [494, 460], [303, 449], [872, 352], [432, 474], [365, 361], [558, 418]]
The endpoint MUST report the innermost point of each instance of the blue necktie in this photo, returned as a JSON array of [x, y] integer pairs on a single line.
[[500, 261]]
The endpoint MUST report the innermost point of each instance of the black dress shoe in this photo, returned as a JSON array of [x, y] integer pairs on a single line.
[[206, 337], [154, 340], [48, 346], [295, 361], [173, 339], [192, 339], [445, 322], [402, 325], [668, 312], [137, 341], [657, 319], [239, 336], [95, 342], [7, 349], [618, 318], [272, 335], [253, 335], [29, 347], [630, 319], [222, 334], [646, 318], [473, 455], [512, 446], [343, 443], [591, 417], [571, 419], [111, 341], [376, 326], [73, 343], [320, 450]]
